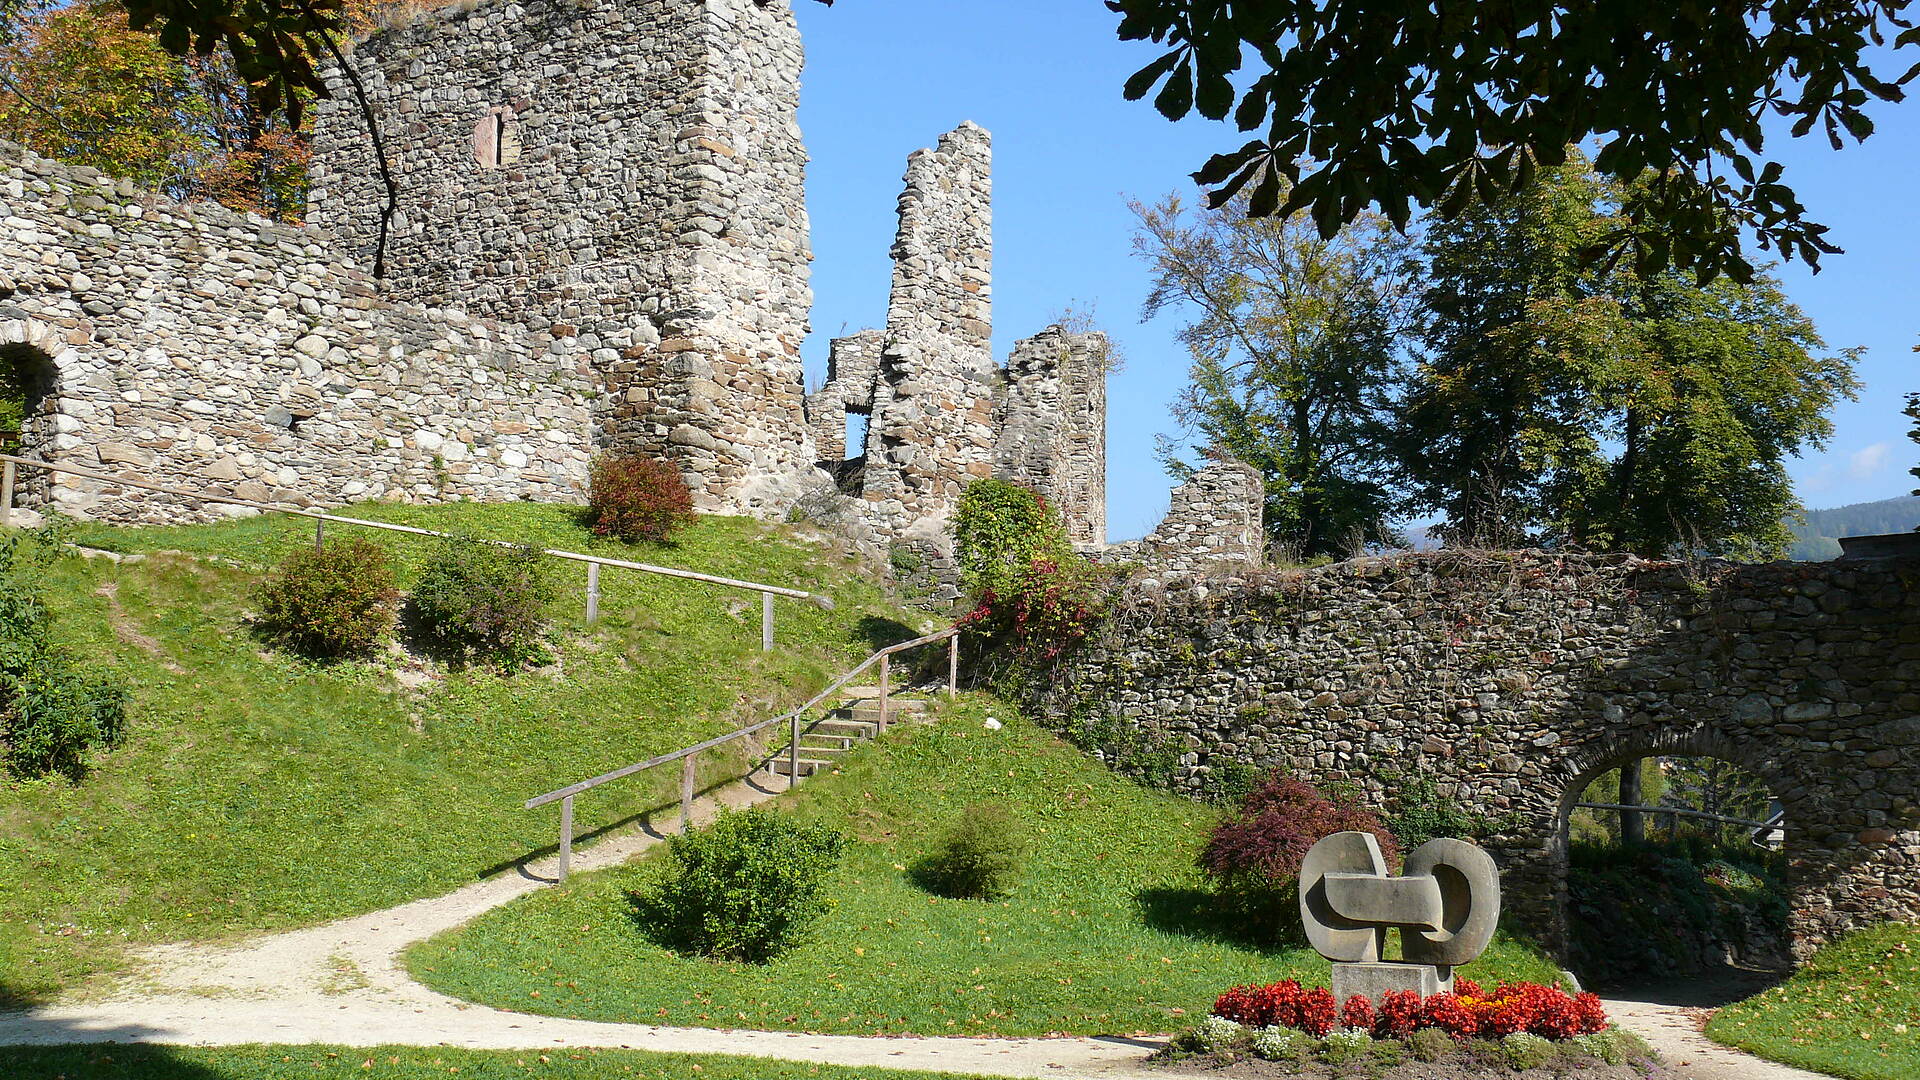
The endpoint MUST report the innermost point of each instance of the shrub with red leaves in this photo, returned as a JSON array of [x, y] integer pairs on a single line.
[[1357, 1012], [636, 498], [1399, 1014], [1255, 854], [1467, 988]]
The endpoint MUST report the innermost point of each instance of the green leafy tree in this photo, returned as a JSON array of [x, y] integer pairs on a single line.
[[1296, 345], [1713, 786], [1399, 105], [1568, 403], [1913, 410]]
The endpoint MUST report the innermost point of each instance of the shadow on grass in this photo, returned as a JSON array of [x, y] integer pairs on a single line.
[[1208, 916], [881, 632]]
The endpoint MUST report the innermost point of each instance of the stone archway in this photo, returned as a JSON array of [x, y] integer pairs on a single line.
[[33, 357], [1769, 946]]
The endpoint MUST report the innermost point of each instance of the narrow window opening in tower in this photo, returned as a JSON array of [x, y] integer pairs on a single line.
[[856, 434]]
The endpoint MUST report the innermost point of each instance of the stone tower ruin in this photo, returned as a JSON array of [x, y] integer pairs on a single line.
[[599, 240]]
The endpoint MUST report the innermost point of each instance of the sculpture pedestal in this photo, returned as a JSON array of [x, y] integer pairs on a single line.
[[1372, 981]]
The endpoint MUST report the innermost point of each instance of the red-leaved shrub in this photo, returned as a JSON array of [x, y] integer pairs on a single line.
[[1255, 854], [636, 498], [1470, 1013]]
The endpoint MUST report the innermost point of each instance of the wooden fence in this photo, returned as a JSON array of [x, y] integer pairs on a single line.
[[685, 757], [9, 466]]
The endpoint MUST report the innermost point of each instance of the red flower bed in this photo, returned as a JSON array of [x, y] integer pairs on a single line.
[[1467, 1013]]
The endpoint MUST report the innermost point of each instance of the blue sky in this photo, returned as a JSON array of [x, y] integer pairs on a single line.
[[886, 77]]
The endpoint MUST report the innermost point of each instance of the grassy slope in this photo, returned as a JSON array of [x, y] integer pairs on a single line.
[[259, 792], [1853, 1011], [1109, 932], [143, 1062]]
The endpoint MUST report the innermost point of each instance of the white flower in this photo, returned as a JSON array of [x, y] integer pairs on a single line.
[[1276, 1042]]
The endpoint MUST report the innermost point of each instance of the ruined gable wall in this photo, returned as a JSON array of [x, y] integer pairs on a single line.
[[933, 409], [1052, 423], [220, 351], [1212, 527], [853, 369], [648, 209]]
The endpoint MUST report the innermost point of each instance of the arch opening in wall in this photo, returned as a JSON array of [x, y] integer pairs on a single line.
[[29, 400], [1692, 891]]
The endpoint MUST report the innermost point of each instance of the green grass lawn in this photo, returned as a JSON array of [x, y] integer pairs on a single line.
[[1853, 1011], [146, 1062], [257, 791], [1111, 930]]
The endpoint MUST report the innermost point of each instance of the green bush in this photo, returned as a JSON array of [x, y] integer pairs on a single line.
[[52, 710], [999, 529], [336, 602], [1421, 813], [1033, 595], [747, 888], [1432, 1044], [1695, 903], [483, 601], [978, 858]]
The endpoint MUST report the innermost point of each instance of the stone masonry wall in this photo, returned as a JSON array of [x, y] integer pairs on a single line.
[[195, 346], [1512, 679], [1052, 422], [853, 372], [1212, 527], [625, 174], [932, 427]]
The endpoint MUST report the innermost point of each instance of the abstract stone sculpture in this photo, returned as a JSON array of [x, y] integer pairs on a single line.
[[1446, 905]]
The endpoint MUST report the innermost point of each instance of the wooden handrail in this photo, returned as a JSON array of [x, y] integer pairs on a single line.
[[320, 518], [564, 796], [1678, 811]]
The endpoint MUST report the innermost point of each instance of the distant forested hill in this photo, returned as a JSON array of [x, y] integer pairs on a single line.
[[1819, 536]]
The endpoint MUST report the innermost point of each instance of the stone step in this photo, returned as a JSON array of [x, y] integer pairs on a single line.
[[828, 741], [858, 729], [783, 765]]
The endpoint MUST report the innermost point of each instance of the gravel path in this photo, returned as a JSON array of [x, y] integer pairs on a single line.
[[1671, 1015], [343, 984]]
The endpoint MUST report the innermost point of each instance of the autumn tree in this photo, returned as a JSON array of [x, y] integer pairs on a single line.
[[82, 86], [1296, 347], [1568, 403]]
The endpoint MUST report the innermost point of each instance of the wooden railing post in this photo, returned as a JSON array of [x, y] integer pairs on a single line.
[[793, 754], [686, 794], [6, 494], [566, 836], [766, 622], [886, 676], [593, 593], [319, 535], [953, 666]]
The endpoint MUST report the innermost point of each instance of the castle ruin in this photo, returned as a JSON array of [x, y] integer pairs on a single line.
[[599, 241]]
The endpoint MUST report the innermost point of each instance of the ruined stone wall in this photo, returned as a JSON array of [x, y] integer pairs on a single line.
[[626, 175], [1212, 527], [195, 346], [1513, 679], [1052, 421], [853, 374], [932, 427]]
